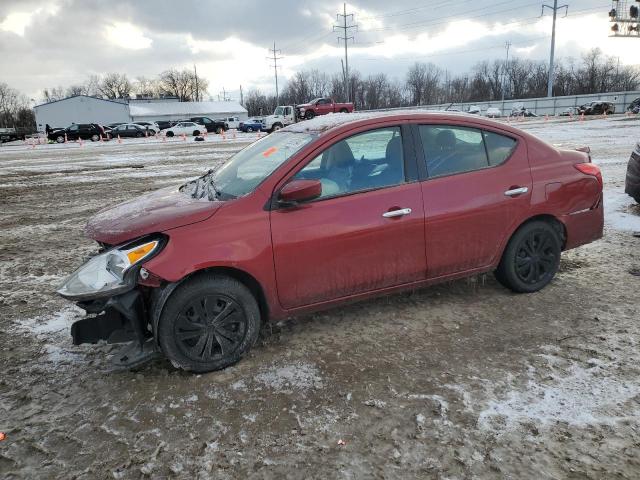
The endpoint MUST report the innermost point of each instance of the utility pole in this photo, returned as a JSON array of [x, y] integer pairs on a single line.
[[241, 97], [275, 59], [345, 31], [224, 95], [555, 9], [195, 72], [504, 69]]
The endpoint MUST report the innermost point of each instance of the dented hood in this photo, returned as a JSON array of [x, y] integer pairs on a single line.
[[150, 213]]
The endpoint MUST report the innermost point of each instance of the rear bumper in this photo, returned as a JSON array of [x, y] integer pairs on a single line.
[[584, 227]]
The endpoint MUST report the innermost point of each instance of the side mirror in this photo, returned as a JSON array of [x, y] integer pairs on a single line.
[[298, 191]]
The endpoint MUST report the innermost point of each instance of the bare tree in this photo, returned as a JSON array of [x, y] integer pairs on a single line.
[[115, 85], [182, 84]]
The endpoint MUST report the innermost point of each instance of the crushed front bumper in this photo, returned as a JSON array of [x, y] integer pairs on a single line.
[[119, 319]]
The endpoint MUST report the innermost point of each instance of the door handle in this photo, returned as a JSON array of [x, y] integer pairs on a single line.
[[397, 213], [516, 191]]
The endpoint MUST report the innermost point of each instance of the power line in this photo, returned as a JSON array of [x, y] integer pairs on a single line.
[[275, 59], [345, 31], [555, 9]]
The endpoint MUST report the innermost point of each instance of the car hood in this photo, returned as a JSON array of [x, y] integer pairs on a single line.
[[303, 105], [150, 213]]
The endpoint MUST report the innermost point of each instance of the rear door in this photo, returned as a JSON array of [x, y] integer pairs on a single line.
[[476, 189], [366, 231]]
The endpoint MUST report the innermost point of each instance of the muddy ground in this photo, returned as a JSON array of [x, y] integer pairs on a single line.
[[459, 381]]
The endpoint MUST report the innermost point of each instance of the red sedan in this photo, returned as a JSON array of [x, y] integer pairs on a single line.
[[326, 211]]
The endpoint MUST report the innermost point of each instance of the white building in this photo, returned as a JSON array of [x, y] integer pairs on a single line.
[[85, 109], [81, 109]]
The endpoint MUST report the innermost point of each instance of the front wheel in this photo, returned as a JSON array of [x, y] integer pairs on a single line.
[[249, 129], [208, 323], [60, 139], [196, 133], [531, 259], [344, 110], [219, 130], [309, 114], [95, 137], [169, 134]]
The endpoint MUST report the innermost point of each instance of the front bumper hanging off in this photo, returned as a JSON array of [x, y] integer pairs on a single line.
[[119, 319]]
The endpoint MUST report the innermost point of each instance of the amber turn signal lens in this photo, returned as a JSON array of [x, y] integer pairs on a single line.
[[140, 252]]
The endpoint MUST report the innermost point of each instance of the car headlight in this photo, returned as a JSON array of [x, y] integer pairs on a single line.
[[302, 110], [106, 274], [637, 149]]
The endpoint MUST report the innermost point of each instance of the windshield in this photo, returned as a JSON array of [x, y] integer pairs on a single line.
[[279, 111], [249, 167]]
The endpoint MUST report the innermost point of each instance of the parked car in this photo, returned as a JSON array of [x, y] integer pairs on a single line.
[[598, 108], [522, 112], [321, 213], [232, 122], [570, 112], [85, 131], [474, 110], [632, 180], [493, 112], [7, 134], [150, 125], [216, 126], [251, 125], [164, 124], [282, 116], [132, 130], [322, 106], [184, 128], [114, 125], [634, 107]]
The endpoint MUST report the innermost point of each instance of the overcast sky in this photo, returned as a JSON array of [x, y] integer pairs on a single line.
[[60, 42]]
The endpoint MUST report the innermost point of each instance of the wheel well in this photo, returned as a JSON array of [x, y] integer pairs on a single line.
[[246, 279], [557, 225]]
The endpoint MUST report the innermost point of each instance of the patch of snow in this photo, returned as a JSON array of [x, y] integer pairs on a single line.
[[298, 376], [58, 323], [582, 397], [617, 211]]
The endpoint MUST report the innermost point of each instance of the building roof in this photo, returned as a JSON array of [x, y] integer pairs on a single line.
[[140, 109], [120, 101]]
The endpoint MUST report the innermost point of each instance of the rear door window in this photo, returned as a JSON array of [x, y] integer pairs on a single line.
[[449, 150], [499, 147]]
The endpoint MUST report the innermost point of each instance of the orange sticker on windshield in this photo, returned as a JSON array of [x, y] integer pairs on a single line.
[[269, 151]]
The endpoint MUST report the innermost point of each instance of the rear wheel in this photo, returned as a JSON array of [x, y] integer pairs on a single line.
[[95, 137], [344, 110], [218, 130], [60, 139], [249, 129], [138, 134], [196, 133], [531, 258], [209, 323], [169, 134]]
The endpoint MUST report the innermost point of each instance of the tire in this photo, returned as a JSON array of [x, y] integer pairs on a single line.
[[196, 133], [309, 114], [531, 259], [344, 110], [189, 336], [219, 130], [60, 139], [169, 134], [276, 127], [249, 130], [138, 134], [95, 137]]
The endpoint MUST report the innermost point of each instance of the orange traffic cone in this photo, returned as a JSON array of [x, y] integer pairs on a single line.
[[582, 117], [80, 140], [184, 137], [119, 139], [546, 118], [65, 138]]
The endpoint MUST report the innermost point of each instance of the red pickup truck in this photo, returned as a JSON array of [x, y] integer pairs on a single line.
[[322, 106]]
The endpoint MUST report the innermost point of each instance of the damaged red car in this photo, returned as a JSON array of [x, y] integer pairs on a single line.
[[323, 212]]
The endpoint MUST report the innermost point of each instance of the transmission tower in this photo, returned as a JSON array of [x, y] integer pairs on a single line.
[[624, 18], [346, 30], [275, 59], [555, 9]]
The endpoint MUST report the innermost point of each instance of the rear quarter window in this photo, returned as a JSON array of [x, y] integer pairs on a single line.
[[499, 147]]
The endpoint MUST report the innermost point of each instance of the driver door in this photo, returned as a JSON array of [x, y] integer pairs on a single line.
[[365, 232]]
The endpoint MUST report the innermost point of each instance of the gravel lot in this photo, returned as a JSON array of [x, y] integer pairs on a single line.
[[463, 380]]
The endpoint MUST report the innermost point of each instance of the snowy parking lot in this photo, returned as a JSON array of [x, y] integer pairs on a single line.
[[461, 380]]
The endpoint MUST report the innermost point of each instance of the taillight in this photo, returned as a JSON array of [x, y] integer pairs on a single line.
[[590, 169]]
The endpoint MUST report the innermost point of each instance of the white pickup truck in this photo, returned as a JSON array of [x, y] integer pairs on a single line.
[[282, 116]]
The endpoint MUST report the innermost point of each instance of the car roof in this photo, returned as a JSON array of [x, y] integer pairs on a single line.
[[332, 121]]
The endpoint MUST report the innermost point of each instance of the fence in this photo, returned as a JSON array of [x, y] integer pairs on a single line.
[[544, 105]]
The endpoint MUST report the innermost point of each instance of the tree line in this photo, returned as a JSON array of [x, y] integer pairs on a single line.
[[426, 83], [182, 84]]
